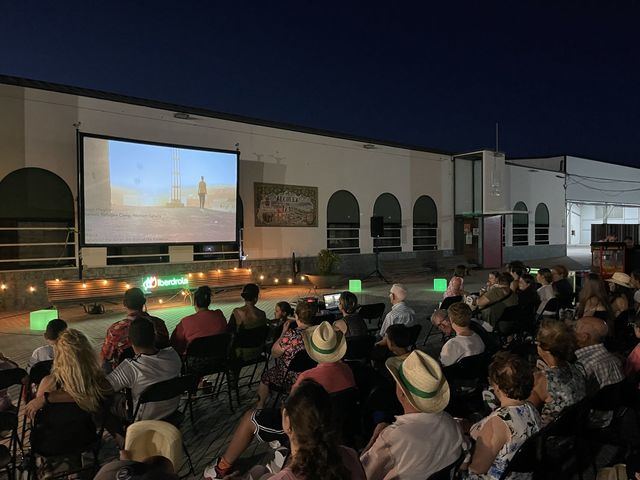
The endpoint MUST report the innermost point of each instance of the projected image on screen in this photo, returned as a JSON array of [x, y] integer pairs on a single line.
[[140, 193]]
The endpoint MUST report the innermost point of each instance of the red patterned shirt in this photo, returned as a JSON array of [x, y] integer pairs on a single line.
[[117, 339]]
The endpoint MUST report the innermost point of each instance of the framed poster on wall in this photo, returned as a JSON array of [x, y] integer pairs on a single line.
[[278, 205]]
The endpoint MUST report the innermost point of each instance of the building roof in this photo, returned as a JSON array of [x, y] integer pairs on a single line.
[[203, 112]]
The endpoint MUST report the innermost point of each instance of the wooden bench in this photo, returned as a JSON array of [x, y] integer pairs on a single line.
[[89, 291]]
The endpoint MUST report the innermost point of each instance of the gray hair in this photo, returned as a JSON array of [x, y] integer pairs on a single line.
[[399, 291]]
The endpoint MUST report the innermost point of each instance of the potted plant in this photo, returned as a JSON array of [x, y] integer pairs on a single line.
[[326, 263]]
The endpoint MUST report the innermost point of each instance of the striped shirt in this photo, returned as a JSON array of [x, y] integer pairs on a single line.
[[399, 313]]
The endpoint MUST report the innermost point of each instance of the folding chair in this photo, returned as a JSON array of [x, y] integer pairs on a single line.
[[249, 338], [448, 472], [527, 459], [210, 356], [300, 362], [372, 314], [167, 390], [345, 407], [39, 371], [15, 377], [64, 429], [414, 333], [359, 348], [8, 453]]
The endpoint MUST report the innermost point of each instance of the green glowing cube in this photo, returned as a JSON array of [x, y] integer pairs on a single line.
[[355, 285], [38, 320], [440, 284]]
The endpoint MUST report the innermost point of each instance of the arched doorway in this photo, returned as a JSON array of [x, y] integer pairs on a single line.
[[388, 207], [343, 223], [425, 224]]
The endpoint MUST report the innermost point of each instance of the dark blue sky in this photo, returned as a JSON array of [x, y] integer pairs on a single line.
[[559, 76]]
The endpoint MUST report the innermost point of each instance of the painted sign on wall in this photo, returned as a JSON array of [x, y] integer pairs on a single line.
[[278, 205]]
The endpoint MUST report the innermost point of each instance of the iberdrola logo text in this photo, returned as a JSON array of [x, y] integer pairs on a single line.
[[154, 282]]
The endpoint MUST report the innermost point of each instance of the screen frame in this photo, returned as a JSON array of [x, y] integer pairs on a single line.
[[81, 192]]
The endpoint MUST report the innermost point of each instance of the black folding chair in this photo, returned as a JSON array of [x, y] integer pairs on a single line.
[[253, 339], [448, 301], [167, 390], [301, 362], [64, 429], [372, 315], [448, 472], [15, 377], [359, 348], [527, 459], [210, 356], [345, 407], [39, 371], [8, 452], [414, 333]]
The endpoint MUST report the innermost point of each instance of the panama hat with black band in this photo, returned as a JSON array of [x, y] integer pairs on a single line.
[[421, 379], [324, 344]]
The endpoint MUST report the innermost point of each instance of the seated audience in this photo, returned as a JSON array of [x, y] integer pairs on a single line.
[[516, 270], [600, 367], [351, 324], [564, 289], [527, 293], [399, 341], [466, 343], [621, 298], [117, 339], [5, 400], [632, 364], [284, 349], [493, 303], [455, 288], [44, 353], [499, 436], [315, 453], [559, 384], [635, 281], [440, 320], [324, 345], [247, 317], [593, 300], [148, 367], [76, 376], [545, 291], [156, 468], [400, 312], [425, 439], [492, 280], [203, 323]]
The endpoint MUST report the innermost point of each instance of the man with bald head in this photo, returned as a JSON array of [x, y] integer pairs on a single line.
[[600, 367], [400, 312]]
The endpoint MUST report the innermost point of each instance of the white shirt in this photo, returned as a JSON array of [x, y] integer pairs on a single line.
[[40, 354], [636, 296], [399, 313], [545, 292], [459, 347], [140, 372], [413, 447]]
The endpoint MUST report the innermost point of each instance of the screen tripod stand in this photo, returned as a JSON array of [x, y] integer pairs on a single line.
[[377, 273]]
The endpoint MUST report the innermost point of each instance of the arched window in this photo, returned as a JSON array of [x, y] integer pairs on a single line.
[[37, 209], [388, 207], [542, 224], [425, 224], [520, 231], [343, 223]]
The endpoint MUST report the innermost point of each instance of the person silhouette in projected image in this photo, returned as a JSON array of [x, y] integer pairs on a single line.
[[202, 192]]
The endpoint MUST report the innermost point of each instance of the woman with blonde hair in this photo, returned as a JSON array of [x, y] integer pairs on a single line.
[[594, 300], [76, 376]]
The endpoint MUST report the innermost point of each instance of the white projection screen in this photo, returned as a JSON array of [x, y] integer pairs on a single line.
[[135, 192]]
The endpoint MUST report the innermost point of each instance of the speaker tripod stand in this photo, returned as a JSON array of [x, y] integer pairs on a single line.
[[377, 273]]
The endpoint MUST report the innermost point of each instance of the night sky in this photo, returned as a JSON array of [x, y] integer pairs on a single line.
[[559, 76]]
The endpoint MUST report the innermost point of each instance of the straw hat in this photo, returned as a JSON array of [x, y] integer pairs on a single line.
[[148, 438], [620, 278], [324, 344], [422, 381]]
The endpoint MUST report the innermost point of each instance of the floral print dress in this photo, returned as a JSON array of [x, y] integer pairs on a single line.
[[523, 421], [566, 386], [291, 343]]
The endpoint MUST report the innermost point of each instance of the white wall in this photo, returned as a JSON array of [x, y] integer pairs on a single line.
[[620, 185], [532, 188], [38, 129]]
